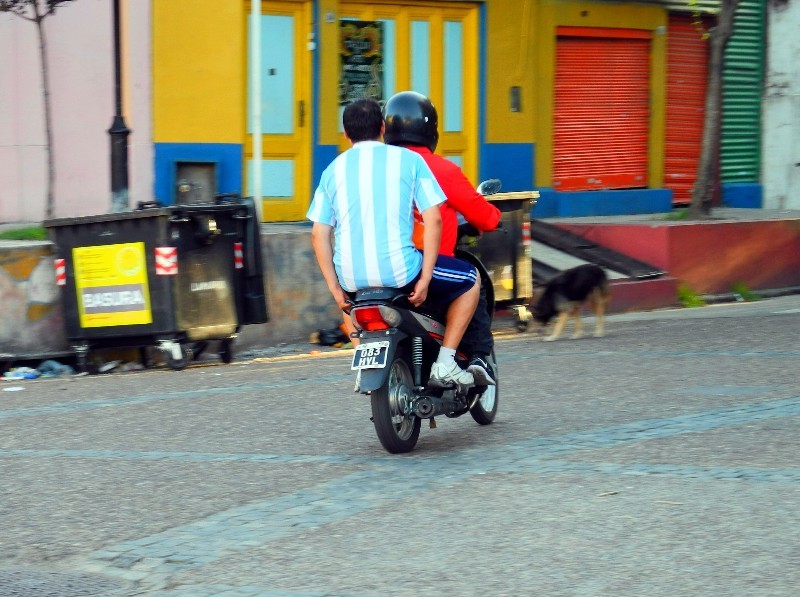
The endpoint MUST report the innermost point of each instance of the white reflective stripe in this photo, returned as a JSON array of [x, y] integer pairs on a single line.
[[343, 233], [430, 193], [394, 227], [61, 272], [369, 204], [166, 261], [446, 274]]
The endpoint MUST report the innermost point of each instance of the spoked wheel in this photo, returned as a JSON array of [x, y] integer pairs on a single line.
[[398, 432], [485, 407]]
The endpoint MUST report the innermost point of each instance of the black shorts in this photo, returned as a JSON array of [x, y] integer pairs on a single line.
[[451, 278]]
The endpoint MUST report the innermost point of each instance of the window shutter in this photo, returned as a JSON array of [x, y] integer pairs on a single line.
[[602, 99]]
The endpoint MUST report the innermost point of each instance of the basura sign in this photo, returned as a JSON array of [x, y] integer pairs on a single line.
[[111, 283]]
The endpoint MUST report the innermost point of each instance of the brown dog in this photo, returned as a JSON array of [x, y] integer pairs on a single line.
[[565, 294]]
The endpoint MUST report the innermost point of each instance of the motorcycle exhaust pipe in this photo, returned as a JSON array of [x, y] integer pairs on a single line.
[[426, 407]]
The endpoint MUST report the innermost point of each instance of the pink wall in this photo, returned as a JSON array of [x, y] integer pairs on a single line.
[[710, 257], [647, 243], [762, 255], [80, 38]]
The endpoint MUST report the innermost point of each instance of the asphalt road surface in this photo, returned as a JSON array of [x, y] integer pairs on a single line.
[[663, 459]]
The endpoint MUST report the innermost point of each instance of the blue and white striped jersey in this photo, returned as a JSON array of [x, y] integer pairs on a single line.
[[368, 194]]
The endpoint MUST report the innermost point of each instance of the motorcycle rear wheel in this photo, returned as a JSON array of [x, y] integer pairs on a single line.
[[485, 408], [398, 432]]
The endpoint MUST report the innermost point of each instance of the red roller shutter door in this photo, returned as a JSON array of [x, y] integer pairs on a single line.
[[687, 78], [602, 109]]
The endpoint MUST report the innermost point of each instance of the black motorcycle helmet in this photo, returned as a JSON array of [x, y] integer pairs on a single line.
[[411, 120]]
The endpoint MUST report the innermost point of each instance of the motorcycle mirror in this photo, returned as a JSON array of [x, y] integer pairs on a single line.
[[490, 186]]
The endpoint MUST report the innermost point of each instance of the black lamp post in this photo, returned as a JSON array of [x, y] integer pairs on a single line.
[[119, 132]]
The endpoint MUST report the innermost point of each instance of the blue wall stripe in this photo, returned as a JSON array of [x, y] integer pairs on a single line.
[[227, 157], [742, 194], [553, 203], [323, 156], [512, 163]]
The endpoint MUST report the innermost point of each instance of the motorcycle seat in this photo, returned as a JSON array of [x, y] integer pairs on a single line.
[[381, 294], [377, 294]]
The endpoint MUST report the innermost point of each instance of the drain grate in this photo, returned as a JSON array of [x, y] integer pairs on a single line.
[[33, 583]]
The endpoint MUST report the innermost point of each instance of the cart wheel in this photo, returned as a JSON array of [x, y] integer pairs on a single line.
[[522, 325], [225, 351], [198, 348], [181, 363], [144, 357], [83, 363], [81, 358]]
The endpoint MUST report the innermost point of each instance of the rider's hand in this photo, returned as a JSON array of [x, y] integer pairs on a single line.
[[341, 298], [467, 229], [419, 294]]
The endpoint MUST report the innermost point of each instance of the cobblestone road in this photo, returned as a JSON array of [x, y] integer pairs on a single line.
[[663, 459]]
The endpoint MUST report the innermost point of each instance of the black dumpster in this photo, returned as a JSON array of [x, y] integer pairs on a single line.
[[172, 277], [506, 253]]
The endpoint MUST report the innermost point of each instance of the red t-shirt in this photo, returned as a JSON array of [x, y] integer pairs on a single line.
[[461, 198]]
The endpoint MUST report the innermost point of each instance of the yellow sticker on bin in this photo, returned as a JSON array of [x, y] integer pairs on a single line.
[[111, 284]]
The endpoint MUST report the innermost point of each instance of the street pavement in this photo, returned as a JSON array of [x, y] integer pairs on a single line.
[[663, 459]]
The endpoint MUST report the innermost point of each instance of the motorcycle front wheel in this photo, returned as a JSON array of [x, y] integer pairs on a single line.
[[397, 431], [484, 409]]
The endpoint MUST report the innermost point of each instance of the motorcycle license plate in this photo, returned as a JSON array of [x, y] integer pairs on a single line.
[[370, 356]]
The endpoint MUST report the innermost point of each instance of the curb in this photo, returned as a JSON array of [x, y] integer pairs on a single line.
[[735, 297]]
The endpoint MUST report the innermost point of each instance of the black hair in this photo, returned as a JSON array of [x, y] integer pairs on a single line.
[[362, 120]]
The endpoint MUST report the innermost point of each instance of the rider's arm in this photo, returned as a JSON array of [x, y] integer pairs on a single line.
[[463, 198], [432, 237], [322, 242]]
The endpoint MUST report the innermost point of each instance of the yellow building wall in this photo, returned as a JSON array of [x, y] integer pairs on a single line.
[[199, 71], [200, 62], [328, 58], [511, 61], [521, 39]]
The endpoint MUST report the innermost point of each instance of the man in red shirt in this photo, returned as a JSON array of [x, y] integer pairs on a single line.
[[412, 122]]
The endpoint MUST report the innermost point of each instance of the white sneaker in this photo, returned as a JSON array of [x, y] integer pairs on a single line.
[[357, 387], [445, 375]]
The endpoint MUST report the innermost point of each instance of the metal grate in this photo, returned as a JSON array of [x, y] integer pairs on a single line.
[[687, 76], [743, 78], [602, 105]]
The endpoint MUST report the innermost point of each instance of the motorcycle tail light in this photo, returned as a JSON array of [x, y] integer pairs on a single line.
[[375, 318]]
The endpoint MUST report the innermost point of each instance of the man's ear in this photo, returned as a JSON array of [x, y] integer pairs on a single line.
[[383, 128]]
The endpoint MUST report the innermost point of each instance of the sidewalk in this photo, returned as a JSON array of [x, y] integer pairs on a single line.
[[759, 247], [8, 226]]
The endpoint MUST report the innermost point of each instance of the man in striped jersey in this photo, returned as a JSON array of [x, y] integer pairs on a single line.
[[363, 214]]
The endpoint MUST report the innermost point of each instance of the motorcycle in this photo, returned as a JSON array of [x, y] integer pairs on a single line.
[[398, 345]]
